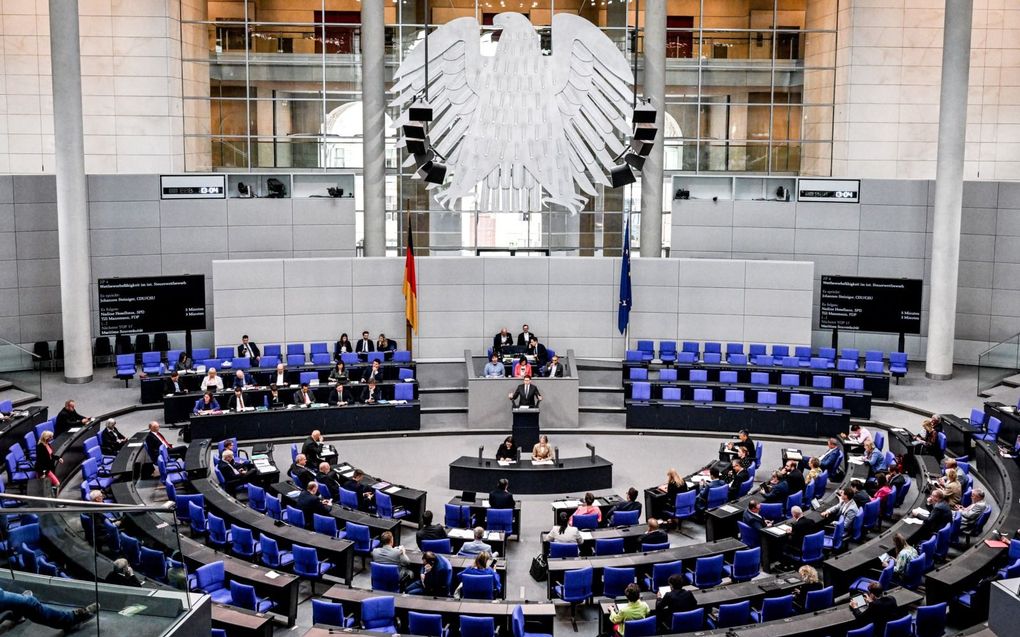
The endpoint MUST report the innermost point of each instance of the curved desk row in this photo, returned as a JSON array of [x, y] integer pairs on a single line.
[[543, 614], [641, 562], [569, 504], [411, 500], [300, 421], [877, 384], [629, 534], [13, 431], [857, 403], [779, 420], [588, 473], [479, 507], [287, 491]]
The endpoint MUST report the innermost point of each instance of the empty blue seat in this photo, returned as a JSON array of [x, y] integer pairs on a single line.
[[639, 373], [738, 359], [874, 367], [767, 398], [272, 349], [703, 395], [641, 391], [759, 378], [734, 395], [671, 394], [790, 361], [727, 376], [822, 382], [780, 351], [712, 358], [756, 349], [699, 376], [764, 360], [295, 360], [734, 348], [631, 356], [832, 402], [800, 400], [667, 375], [667, 351], [852, 383], [647, 349], [686, 358], [789, 380]]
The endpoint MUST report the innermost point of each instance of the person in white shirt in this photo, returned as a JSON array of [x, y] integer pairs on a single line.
[[563, 532], [279, 378], [494, 368], [858, 435], [212, 380], [304, 396]]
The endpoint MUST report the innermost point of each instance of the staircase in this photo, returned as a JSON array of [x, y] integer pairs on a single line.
[[20, 382], [601, 394]]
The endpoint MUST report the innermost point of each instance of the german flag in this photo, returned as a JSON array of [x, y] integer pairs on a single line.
[[410, 285]]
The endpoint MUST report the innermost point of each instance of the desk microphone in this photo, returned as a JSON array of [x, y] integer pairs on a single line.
[[556, 452], [518, 454], [481, 450], [591, 447]]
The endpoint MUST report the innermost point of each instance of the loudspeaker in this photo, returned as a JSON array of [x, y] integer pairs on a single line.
[[637, 162], [644, 113], [415, 146], [621, 175], [414, 131], [645, 133], [420, 112], [641, 148]]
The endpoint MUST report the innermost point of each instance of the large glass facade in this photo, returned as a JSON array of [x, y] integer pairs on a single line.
[[275, 85]]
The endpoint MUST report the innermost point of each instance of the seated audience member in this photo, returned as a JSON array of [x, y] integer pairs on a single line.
[[248, 349], [300, 472], [740, 475], [501, 498], [364, 344], [206, 404], [228, 445], [952, 489], [814, 470], [154, 440], [342, 346], [776, 489], [385, 344], [111, 440], [233, 475], [859, 494], [212, 381], [279, 377], [507, 451], [328, 477], [880, 610], [883, 491], [242, 380], [674, 484], [273, 400], [373, 373], [564, 531], [752, 516], [538, 350], [366, 495], [372, 393], [555, 368], [811, 582], [522, 369], [744, 440], [237, 402], [940, 514], [122, 574], [501, 340], [801, 526], [27, 606], [340, 395], [793, 476], [830, 460], [701, 502], [874, 458], [68, 417], [970, 515], [183, 363], [310, 503], [304, 396], [481, 567], [494, 368], [858, 435], [900, 555], [386, 553], [173, 385], [630, 504], [635, 608], [429, 530], [653, 534], [477, 545], [524, 338], [435, 575], [930, 437], [542, 450], [312, 448], [961, 476], [339, 373], [676, 600], [846, 509], [588, 508]]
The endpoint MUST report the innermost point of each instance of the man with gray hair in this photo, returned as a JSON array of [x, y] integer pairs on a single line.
[[801, 526], [122, 574], [111, 440], [476, 546], [971, 514]]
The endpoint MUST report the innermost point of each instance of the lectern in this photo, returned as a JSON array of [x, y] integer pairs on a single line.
[[525, 427]]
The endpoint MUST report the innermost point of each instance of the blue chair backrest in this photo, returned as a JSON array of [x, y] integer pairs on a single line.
[[734, 395], [684, 504], [727, 376], [780, 351], [819, 600], [563, 549], [703, 395], [734, 348], [800, 400], [667, 375], [699, 376], [708, 571], [748, 535], [426, 624], [902, 627], [639, 373], [441, 545], [499, 520], [358, 533], [767, 398], [477, 586], [686, 358], [914, 572], [931, 620], [404, 392], [641, 390], [377, 612], [640, 627], [717, 496], [812, 547], [621, 518], [789, 380], [586, 521], [736, 614], [385, 577], [852, 383], [577, 584], [609, 546], [672, 394], [756, 349], [776, 608], [692, 347], [864, 631], [790, 361], [879, 440], [824, 382], [832, 402], [802, 352], [738, 359], [746, 564], [615, 580], [687, 622], [662, 571], [772, 510], [764, 360], [759, 378]]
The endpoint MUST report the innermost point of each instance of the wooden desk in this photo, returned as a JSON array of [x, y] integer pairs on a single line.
[[479, 508], [778, 420], [376, 525], [13, 431], [605, 504], [241, 622], [412, 500], [570, 474], [629, 534], [299, 421]]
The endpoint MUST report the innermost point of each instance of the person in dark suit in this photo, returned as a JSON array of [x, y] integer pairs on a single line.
[[555, 368], [777, 489], [740, 475], [364, 344], [154, 440], [365, 494], [372, 394], [630, 504], [527, 394], [69, 417], [340, 395], [328, 477], [676, 600], [385, 344], [794, 477], [435, 575], [654, 535], [173, 385], [300, 471], [539, 351], [45, 460], [242, 379], [940, 515], [501, 340], [122, 574], [248, 349], [237, 401], [701, 501], [501, 498], [801, 526], [310, 503], [429, 531], [343, 346], [304, 396], [111, 440], [372, 373], [524, 338], [752, 516], [233, 475], [881, 609], [312, 448], [744, 440], [273, 400]]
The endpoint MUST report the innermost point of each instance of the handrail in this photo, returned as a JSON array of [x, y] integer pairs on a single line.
[[32, 354], [82, 506], [980, 354]]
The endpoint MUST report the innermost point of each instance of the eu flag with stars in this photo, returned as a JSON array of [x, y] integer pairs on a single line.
[[626, 301]]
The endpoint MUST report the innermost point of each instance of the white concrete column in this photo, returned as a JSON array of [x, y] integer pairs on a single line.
[[945, 262], [654, 81], [72, 192], [373, 97]]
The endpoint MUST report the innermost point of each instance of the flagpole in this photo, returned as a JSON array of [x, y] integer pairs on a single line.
[[407, 324], [626, 236]]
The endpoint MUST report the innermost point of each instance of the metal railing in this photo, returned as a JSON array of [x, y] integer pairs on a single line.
[[21, 367], [998, 363]]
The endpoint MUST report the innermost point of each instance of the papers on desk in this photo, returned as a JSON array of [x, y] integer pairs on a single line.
[[494, 536], [524, 407], [785, 528], [393, 402], [774, 530], [379, 486], [793, 454], [884, 557], [534, 462], [74, 430], [262, 464], [663, 590], [272, 574], [586, 536], [911, 521], [460, 534], [348, 473], [134, 444], [728, 509], [162, 525], [505, 462], [485, 504], [390, 490], [899, 430], [293, 494], [566, 504], [920, 512]]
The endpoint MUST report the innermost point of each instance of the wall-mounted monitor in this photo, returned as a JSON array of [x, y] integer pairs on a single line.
[[152, 304], [869, 304]]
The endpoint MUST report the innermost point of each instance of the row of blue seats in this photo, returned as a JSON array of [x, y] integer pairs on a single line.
[[378, 615], [818, 381], [153, 363], [642, 391]]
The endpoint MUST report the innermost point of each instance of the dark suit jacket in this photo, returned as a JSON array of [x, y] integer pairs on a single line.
[[254, 350], [753, 520], [231, 475], [67, 419], [201, 406], [312, 451], [111, 441], [339, 395], [44, 461], [367, 375], [430, 532], [310, 504], [678, 601], [274, 402], [803, 526], [779, 492], [738, 479], [531, 400], [152, 445], [304, 475], [523, 340], [232, 403], [801, 597], [880, 612], [654, 537], [299, 398], [341, 348], [558, 372], [389, 346], [361, 490], [168, 387], [499, 342], [368, 395], [940, 516], [500, 499], [540, 353], [248, 380], [795, 481], [363, 345], [329, 479]]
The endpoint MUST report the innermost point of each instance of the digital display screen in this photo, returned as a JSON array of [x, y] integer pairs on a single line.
[[151, 304], [869, 304]]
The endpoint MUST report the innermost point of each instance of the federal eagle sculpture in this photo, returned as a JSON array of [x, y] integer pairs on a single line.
[[521, 129]]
